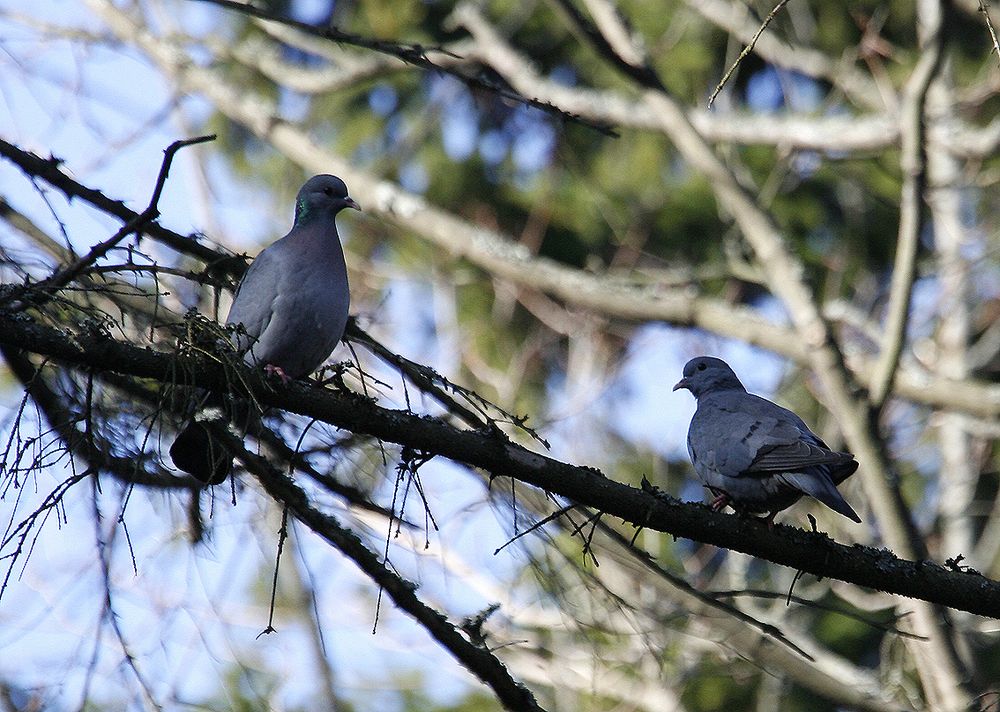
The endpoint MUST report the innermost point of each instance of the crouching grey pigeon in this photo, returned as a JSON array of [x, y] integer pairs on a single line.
[[754, 454], [290, 311]]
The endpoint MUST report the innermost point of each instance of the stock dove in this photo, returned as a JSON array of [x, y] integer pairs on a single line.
[[290, 311], [754, 454]]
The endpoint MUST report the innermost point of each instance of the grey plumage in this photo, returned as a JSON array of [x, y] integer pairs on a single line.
[[290, 310], [753, 453]]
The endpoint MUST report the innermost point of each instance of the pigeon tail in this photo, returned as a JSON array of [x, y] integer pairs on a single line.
[[197, 453], [839, 473], [819, 486]]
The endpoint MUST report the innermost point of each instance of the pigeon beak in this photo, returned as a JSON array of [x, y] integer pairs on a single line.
[[683, 383], [349, 203]]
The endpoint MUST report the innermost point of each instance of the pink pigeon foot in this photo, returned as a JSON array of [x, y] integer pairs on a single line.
[[719, 502], [272, 370]]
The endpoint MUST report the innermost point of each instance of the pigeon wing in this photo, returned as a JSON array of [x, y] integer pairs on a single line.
[[788, 457], [783, 442], [723, 438], [253, 304]]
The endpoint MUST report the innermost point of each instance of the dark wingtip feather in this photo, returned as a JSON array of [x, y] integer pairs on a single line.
[[819, 486], [839, 473]]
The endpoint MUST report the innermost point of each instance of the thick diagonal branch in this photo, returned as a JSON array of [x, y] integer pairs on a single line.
[[813, 553]]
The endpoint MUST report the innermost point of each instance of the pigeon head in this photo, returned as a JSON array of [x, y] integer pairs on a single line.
[[706, 374], [322, 197]]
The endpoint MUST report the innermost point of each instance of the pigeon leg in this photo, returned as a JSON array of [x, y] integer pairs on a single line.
[[719, 502], [769, 520], [272, 370]]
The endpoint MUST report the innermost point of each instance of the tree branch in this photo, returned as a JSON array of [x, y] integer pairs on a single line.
[[50, 170], [135, 224], [609, 294], [813, 553], [735, 18], [825, 133], [415, 54], [477, 659], [913, 163]]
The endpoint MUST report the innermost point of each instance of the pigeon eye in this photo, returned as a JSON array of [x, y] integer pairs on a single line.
[[328, 191], [702, 367]]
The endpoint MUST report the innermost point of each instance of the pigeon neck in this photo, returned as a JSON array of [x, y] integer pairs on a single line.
[[720, 387], [306, 213]]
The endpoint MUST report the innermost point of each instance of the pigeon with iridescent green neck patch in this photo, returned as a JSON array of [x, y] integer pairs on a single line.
[[290, 310]]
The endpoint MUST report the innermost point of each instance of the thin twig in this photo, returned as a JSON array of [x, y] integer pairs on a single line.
[[282, 535], [50, 170], [478, 661], [746, 50], [706, 598], [135, 225], [984, 8], [536, 526], [820, 606]]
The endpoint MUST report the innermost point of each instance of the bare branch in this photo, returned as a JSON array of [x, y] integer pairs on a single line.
[[735, 18], [344, 72], [746, 50], [478, 660], [49, 169], [830, 133], [813, 553], [415, 54], [913, 164], [134, 225]]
